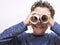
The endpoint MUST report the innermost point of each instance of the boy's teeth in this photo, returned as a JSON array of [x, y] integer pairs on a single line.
[[40, 27]]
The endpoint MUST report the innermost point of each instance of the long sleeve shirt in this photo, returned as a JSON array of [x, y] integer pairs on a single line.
[[16, 35]]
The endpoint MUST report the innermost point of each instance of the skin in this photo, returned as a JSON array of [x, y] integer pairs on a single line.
[[40, 28]]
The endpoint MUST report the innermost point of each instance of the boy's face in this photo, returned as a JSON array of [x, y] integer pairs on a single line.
[[40, 28]]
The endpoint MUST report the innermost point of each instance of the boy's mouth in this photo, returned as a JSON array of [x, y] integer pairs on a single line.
[[39, 26]]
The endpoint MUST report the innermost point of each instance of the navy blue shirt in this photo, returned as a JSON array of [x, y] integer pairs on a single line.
[[16, 35]]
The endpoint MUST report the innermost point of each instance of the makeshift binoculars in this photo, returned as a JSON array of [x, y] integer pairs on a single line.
[[34, 19]]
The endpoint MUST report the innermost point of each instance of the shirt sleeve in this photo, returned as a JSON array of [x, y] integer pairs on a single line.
[[12, 31], [56, 28]]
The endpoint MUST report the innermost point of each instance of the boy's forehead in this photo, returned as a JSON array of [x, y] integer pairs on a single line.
[[42, 10]]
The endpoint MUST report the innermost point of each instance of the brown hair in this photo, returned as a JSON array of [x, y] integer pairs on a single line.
[[43, 4]]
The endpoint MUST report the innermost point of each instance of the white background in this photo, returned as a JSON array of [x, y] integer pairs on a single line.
[[15, 11]]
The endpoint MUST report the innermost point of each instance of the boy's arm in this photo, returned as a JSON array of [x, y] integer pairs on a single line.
[[13, 31]]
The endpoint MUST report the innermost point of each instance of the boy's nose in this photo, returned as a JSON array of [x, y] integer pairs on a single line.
[[39, 22]]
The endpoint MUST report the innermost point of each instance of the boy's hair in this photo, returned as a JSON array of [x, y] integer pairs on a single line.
[[43, 4]]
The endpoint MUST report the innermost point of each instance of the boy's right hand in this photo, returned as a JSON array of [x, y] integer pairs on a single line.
[[27, 20]]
